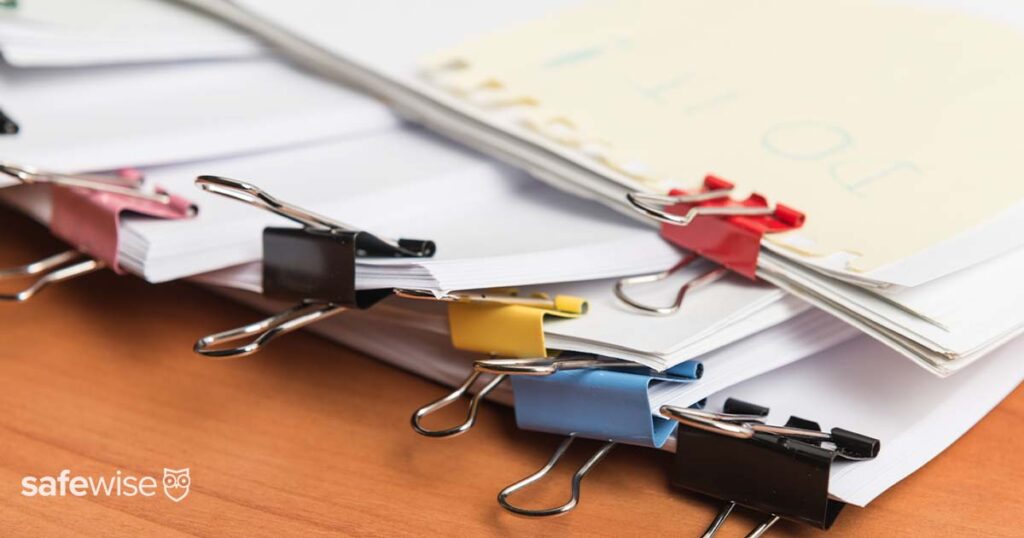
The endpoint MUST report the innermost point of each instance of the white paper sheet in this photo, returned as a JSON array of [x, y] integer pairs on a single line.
[[112, 117], [43, 33], [968, 313]]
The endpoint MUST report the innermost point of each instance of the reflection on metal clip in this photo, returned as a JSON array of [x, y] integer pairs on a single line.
[[255, 196], [705, 278], [474, 405], [848, 445], [738, 426], [106, 183], [263, 331], [724, 513], [534, 301], [652, 204], [577, 478], [54, 269], [502, 368]]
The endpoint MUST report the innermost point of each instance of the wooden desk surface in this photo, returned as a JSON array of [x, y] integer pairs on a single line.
[[309, 438]]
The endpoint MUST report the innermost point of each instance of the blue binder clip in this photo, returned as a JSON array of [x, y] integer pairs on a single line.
[[502, 369], [610, 406]]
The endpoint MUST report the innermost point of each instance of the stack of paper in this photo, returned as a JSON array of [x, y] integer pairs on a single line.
[[576, 107], [899, 151]]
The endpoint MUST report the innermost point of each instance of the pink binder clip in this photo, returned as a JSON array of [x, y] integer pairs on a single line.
[[87, 213]]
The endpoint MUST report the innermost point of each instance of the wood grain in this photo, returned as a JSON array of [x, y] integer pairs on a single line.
[[309, 438]]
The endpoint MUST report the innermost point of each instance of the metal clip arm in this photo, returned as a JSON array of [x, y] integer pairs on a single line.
[[257, 197], [652, 204], [500, 369], [577, 478], [559, 302], [111, 184], [549, 366], [705, 278], [263, 331], [474, 405], [724, 513], [54, 269]]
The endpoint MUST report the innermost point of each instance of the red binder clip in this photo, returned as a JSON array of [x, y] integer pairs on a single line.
[[717, 227]]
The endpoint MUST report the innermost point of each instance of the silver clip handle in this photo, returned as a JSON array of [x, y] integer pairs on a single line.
[[577, 479], [257, 197], [500, 369], [738, 426], [705, 278], [476, 298], [549, 366], [54, 269], [652, 204], [471, 413], [264, 331], [724, 513], [701, 421], [112, 184]]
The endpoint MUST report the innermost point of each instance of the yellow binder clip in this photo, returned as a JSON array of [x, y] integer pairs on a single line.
[[507, 325]]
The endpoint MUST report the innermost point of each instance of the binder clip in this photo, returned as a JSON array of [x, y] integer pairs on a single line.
[[7, 125], [86, 213], [512, 326], [710, 223], [781, 471], [504, 325], [314, 265], [610, 405], [501, 369]]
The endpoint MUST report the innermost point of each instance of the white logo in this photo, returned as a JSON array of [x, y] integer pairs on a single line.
[[176, 483]]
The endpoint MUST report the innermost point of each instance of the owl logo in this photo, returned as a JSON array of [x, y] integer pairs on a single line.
[[176, 483]]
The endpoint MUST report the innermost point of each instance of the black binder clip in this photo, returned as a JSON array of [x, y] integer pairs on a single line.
[[781, 471], [7, 125], [315, 265]]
